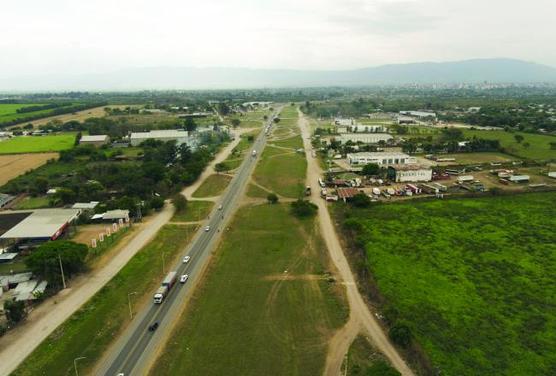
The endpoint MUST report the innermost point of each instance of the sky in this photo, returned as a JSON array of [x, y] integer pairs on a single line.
[[71, 37]]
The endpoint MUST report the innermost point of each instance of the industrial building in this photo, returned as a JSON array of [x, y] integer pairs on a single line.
[[95, 140], [366, 138], [420, 115], [380, 158], [409, 173], [41, 225], [178, 135]]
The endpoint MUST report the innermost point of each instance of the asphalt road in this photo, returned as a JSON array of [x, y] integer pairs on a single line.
[[137, 347]]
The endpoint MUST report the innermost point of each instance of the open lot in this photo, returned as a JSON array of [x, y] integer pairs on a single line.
[[37, 144], [213, 186], [12, 166], [89, 331], [195, 211], [266, 306], [473, 279]]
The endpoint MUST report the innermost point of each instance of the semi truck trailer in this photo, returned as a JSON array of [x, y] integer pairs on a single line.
[[165, 288]]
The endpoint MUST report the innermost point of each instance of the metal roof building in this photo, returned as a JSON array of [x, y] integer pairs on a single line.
[[43, 224]]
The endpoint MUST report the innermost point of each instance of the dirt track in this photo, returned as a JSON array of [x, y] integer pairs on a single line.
[[361, 319], [13, 165]]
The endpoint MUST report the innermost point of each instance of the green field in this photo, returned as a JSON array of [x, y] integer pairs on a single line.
[[473, 278], [30, 202], [213, 186], [10, 109], [195, 211], [539, 145], [282, 172], [477, 158], [37, 144], [250, 316], [90, 330]]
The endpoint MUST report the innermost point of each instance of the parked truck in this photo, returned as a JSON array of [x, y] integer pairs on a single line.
[[166, 286]]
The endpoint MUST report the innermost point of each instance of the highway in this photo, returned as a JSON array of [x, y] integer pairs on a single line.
[[136, 349]]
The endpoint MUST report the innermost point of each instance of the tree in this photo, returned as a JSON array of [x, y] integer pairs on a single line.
[[526, 145], [65, 195], [190, 124], [553, 145], [221, 167], [157, 203], [361, 200], [302, 208], [272, 198], [236, 122], [371, 169], [45, 260], [276, 120], [518, 138], [180, 202], [15, 311], [39, 187], [400, 334]]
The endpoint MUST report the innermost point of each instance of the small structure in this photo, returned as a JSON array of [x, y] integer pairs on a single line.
[[179, 135], [366, 138], [465, 179], [519, 178], [552, 175], [420, 115], [95, 140], [85, 205], [346, 193], [5, 199], [409, 173], [112, 216]]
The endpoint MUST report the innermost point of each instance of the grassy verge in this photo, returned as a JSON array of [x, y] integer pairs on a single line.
[[471, 278], [251, 317], [281, 172], [195, 211], [37, 144], [89, 331], [364, 360], [256, 191], [213, 186], [33, 203]]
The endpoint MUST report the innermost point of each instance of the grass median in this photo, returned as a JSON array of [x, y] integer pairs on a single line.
[[90, 330], [266, 305]]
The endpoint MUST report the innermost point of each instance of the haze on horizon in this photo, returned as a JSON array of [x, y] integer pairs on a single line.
[[70, 37]]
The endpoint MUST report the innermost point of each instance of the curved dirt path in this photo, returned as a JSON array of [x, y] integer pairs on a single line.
[[361, 318]]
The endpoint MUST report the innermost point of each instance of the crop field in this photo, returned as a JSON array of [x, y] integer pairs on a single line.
[[213, 186], [266, 306], [37, 144], [9, 112], [12, 166], [539, 145], [473, 279], [90, 330]]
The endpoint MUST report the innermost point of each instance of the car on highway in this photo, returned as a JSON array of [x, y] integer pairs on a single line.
[[207, 228], [186, 259], [183, 278], [153, 326], [219, 207]]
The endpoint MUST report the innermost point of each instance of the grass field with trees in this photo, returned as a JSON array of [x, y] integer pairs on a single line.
[[37, 144], [90, 330], [472, 279], [267, 304]]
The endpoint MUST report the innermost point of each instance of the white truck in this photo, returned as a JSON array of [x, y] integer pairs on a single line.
[[163, 290]]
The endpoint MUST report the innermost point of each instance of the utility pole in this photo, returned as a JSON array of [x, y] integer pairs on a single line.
[[129, 303], [62, 270], [75, 364]]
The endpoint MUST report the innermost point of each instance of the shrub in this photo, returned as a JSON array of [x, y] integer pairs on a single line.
[[272, 198], [180, 202], [400, 334], [301, 208]]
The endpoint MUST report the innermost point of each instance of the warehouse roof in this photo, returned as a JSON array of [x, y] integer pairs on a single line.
[[94, 138], [42, 223], [85, 205], [164, 133]]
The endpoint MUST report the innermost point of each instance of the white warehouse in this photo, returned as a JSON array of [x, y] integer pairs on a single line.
[[410, 173], [178, 135], [380, 158], [366, 138]]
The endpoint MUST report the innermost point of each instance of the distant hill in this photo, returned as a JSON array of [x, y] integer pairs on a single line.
[[468, 71]]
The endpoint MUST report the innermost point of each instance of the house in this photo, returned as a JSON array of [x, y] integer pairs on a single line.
[[366, 138], [409, 173], [112, 216], [380, 158], [95, 140]]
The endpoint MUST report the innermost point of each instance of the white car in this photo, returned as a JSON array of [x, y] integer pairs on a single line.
[[207, 228], [183, 278], [186, 259], [220, 207]]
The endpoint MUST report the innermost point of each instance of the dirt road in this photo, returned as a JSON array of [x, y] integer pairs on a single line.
[[17, 344], [361, 319]]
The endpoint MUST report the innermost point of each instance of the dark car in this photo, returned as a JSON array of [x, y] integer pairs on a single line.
[[153, 327]]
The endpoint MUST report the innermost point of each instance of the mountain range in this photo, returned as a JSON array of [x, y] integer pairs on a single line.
[[467, 71]]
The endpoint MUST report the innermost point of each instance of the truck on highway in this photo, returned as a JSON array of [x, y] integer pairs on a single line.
[[163, 290]]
